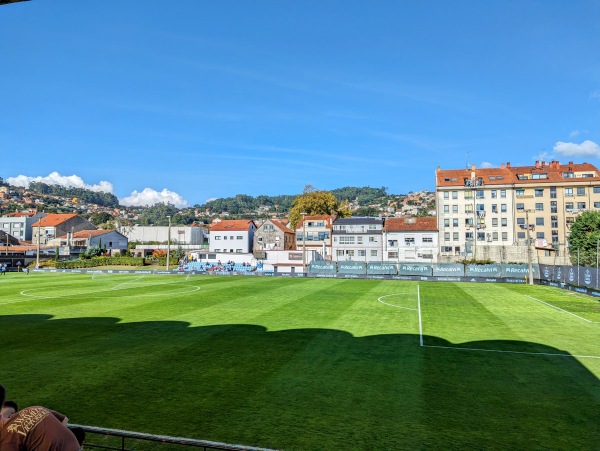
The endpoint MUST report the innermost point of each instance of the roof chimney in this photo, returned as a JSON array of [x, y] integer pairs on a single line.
[[537, 164], [508, 164], [502, 166]]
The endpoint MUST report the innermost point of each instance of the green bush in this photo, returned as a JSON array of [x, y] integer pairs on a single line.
[[100, 261]]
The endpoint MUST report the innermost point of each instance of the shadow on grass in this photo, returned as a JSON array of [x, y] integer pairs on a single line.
[[299, 389]]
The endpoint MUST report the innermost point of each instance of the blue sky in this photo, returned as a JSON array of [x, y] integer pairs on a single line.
[[187, 100]]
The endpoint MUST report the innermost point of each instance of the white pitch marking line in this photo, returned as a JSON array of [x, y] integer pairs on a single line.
[[515, 352], [420, 320], [379, 299], [562, 310]]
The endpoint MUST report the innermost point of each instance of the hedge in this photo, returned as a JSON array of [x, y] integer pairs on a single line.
[[100, 261]]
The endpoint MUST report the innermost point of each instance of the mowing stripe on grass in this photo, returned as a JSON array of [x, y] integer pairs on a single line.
[[551, 354], [420, 320], [562, 310]]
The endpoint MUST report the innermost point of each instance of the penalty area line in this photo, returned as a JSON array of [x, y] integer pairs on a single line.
[[562, 310]]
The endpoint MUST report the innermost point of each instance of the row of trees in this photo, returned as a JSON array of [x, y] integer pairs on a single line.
[[585, 239]]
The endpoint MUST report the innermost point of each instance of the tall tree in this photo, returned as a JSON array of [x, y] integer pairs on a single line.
[[314, 202], [584, 238]]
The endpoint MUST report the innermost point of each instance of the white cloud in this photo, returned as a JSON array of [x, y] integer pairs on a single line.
[[486, 164], [151, 197], [574, 133], [54, 178], [595, 95], [585, 149]]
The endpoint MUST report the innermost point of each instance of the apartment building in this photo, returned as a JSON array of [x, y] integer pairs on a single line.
[[358, 238], [313, 233], [232, 236], [411, 239], [489, 207]]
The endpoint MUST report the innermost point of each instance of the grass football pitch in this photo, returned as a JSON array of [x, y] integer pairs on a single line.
[[307, 364]]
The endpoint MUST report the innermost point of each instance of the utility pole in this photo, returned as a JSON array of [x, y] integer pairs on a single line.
[[529, 264], [303, 244], [169, 242]]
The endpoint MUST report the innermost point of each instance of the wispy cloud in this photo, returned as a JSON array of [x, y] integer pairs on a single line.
[[585, 149], [54, 178], [574, 133], [486, 164], [149, 196], [595, 95]]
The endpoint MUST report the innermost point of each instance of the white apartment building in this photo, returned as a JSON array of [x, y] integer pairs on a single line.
[[411, 239], [358, 239]]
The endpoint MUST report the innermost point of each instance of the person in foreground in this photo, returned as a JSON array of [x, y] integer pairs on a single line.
[[36, 428]]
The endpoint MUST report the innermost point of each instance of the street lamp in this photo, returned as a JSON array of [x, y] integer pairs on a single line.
[[303, 244], [169, 242]]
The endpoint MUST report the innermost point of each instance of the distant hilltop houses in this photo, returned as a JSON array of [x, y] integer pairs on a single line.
[[486, 214]]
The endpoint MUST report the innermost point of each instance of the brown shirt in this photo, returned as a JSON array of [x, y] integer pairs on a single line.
[[36, 428]]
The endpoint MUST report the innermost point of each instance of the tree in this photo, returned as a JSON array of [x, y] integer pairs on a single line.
[[585, 233], [317, 203]]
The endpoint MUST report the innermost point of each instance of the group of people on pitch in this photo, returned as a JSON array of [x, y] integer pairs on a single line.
[[35, 428]]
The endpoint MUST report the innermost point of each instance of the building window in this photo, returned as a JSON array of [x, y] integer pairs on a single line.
[[217, 237], [503, 208], [455, 236], [362, 253], [468, 208], [539, 207], [520, 192], [494, 236], [520, 207], [521, 235], [569, 205], [539, 235], [480, 194], [504, 222], [239, 251], [240, 237], [346, 240], [373, 252], [596, 204], [468, 236], [553, 207], [539, 192], [521, 221], [225, 237], [596, 189], [455, 222], [454, 194], [569, 192], [539, 221], [409, 240], [350, 253], [494, 195], [494, 222], [581, 205], [339, 253], [454, 208], [446, 236], [446, 249], [393, 255], [503, 193], [446, 195], [373, 239], [446, 209], [581, 191], [446, 223], [480, 236], [553, 192], [427, 239], [504, 236]]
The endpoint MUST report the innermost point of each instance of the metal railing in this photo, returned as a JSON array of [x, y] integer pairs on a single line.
[[123, 438]]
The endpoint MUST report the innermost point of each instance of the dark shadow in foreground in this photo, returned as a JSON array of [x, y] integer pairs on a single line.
[[299, 389]]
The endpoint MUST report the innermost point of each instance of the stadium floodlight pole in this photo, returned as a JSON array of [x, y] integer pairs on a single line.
[[529, 264], [169, 242], [303, 244]]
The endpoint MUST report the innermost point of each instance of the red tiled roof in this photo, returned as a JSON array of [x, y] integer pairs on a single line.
[[509, 174], [88, 233], [54, 219], [281, 226], [411, 224], [231, 225]]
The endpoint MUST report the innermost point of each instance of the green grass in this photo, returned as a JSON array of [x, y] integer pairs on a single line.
[[306, 364]]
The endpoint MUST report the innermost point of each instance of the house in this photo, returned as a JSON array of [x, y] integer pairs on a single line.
[[111, 240], [358, 238], [232, 235], [411, 239], [313, 234], [57, 224], [274, 234], [20, 224]]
